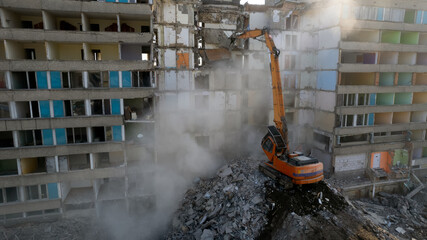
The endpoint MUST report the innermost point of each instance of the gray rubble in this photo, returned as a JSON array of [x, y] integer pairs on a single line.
[[229, 205], [399, 215]]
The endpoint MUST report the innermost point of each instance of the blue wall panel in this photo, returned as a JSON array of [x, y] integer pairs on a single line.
[[371, 119], [328, 59], [418, 18], [42, 80], [60, 136], [372, 99], [55, 79], [47, 137], [326, 80], [117, 133], [114, 79], [44, 109], [115, 106], [380, 13], [52, 189], [58, 108], [126, 79]]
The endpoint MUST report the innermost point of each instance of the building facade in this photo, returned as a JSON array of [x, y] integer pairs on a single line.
[[77, 106]]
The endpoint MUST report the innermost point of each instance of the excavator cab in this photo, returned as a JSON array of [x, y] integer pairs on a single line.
[[273, 144]]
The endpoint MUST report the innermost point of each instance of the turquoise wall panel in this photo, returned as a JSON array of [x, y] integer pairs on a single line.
[[44, 109], [52, 189], [403, 98], [372, 98], [47, 137], [117, 133], [115, 106], [385, 98], [114, 79], [126, 79], [61, 138], [404, 79], [58, 108], [55, 80], [41, 80], [386, 79]]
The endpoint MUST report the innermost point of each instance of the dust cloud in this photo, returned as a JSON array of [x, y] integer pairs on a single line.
[[181, 159]]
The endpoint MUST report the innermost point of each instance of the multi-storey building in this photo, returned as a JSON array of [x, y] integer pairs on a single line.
[[355, 75], [76, 105]]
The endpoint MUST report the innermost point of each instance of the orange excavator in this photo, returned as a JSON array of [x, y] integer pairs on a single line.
[[287, 168]]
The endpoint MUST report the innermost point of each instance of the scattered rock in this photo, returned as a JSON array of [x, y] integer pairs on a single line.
[[207, 235], [400, 230], [224, 172]]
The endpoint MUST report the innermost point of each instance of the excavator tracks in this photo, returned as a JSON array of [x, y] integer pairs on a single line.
[[279, 177]]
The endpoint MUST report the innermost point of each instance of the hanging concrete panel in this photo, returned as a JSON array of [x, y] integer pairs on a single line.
[[233, 101], [184, 100], [350, 162], [328, 59], [329, 38], [169, 12], [306, 99], [326, 80], [50, 165], [183, 37], [170, 58], [182, 15], [325, 101], [183, 80], [169, 36], [219, 101], [63, 163], [170, 80]]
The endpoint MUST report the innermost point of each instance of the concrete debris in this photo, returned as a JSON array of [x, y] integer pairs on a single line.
[[400, 230], [395, 213], [224, 172], [244, 204], [53, 228], [235, 208]]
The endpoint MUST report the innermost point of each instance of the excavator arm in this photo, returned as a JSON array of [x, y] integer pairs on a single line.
[[288, 169], [278, 105]]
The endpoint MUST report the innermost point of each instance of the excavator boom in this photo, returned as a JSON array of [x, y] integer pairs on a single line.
[[278, 106], [298, 168]]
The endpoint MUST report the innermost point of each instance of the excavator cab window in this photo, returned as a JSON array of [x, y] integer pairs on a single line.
[[268, 145]]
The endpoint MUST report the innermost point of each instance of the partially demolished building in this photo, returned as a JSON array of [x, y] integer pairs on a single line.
[[90, 91]]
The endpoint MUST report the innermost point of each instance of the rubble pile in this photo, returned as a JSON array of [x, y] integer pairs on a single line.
[[399, 215], [316, 211], [50, 229], [228, 206]]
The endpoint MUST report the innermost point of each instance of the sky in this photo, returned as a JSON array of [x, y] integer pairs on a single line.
[[260, 2]]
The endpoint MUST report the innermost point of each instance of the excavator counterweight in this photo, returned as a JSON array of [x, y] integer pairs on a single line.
[[287, 168]]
